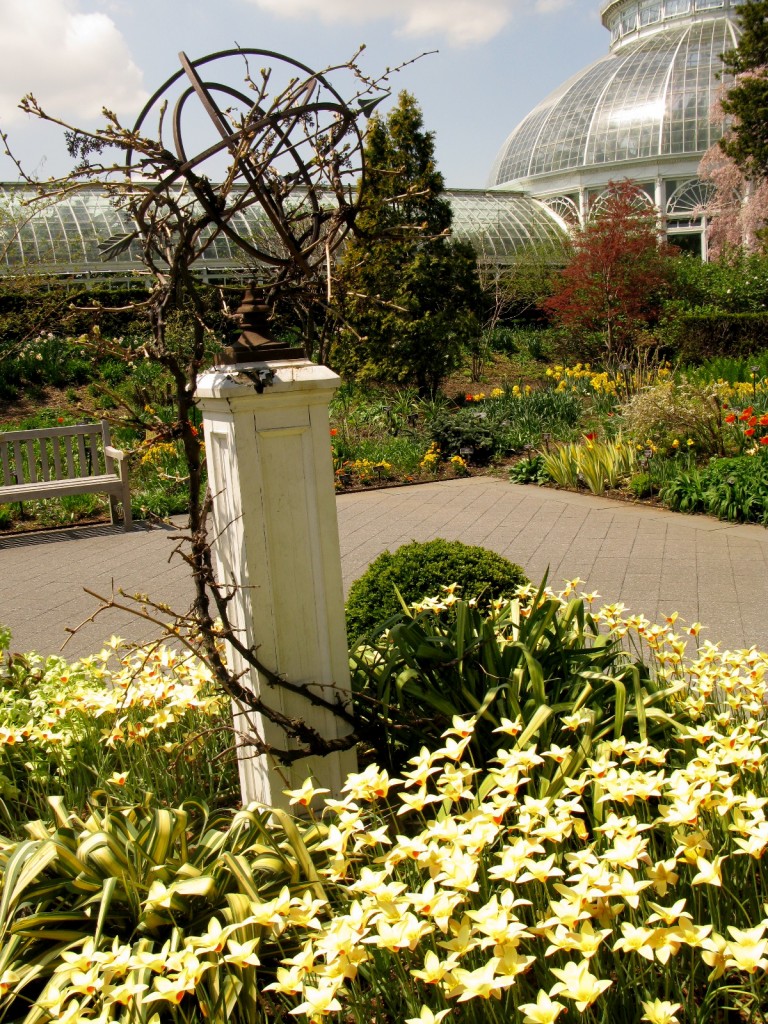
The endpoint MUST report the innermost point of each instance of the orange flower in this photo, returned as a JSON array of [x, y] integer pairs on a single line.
[[731, 417], [763, 421], [334, 431], [764, 440], [744, 416], [749, 432]]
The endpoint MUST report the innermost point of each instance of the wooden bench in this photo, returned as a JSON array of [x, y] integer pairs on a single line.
[[58, 461]]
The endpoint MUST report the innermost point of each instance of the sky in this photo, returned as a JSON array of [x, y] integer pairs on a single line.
[[494, 61]]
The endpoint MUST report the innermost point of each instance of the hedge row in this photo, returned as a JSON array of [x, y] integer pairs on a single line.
[[696, 337]]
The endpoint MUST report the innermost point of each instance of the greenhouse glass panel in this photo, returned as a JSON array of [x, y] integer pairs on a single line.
[[629, 19], [650, 12]]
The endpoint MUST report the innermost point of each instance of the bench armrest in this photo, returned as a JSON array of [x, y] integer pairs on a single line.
[[114, 453]]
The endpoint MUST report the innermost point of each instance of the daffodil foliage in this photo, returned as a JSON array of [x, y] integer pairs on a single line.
[[617, 875]]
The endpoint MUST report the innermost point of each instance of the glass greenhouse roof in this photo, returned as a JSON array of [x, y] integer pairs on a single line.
[[66, 237], [649, 98], [502, 225]]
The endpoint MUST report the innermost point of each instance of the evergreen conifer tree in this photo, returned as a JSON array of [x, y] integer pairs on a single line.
[[408, 295]]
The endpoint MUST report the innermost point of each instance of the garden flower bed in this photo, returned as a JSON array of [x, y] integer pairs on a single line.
[[600, 851], [694, 441]]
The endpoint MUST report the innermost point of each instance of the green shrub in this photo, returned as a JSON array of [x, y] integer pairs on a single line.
[[113, 371], [520, 418], [466, 428], [737, 489], [403, 453], [419, 570], [504, 339], [701, 335], [677, 411], [729, 368]]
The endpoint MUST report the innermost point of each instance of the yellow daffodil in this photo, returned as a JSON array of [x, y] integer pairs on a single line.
[[710, 872], [305, 794], [434, 969], [242, 954]]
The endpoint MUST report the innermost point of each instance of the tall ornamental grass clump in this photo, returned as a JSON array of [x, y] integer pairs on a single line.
[[624, 885], [678, 410]]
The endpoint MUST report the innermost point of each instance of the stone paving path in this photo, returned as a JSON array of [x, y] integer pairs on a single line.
[[653, 561]]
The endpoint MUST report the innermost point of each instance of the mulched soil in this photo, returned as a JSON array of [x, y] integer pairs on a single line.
[[32, 402]]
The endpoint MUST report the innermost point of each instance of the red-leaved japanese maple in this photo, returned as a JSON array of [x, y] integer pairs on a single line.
[[617, 275]]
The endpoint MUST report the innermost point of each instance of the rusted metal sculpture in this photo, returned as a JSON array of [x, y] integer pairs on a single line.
[[287, 143]]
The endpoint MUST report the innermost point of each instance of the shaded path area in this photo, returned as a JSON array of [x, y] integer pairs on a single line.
[[653, 561]]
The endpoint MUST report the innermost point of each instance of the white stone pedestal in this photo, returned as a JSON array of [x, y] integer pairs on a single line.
[[275, 539]]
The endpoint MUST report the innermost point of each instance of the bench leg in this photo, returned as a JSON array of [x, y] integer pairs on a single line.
[[112, 508], [125, 497]]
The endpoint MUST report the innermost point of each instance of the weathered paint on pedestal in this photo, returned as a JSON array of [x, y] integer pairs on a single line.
[[275, 540]]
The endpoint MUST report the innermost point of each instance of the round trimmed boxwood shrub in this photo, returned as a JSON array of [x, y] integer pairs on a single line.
[[420, 569]]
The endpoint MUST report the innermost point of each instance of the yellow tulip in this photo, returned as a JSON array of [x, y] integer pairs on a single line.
[[579, 984], [543, 1011]]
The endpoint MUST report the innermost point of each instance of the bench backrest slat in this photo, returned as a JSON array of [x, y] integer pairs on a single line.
[[109, 464], [44, 468], [56, 444], [84, 466], [31, 462], [70, 459], [93, 455], [18, 465], [5, 460]]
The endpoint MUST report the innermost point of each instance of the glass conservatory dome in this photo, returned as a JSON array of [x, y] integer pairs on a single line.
[[646, 103]]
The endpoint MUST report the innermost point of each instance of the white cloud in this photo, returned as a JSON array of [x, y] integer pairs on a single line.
[[74, 62], [550, 6], [460, 22]]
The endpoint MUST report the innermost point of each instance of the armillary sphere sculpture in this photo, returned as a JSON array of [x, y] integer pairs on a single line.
[[285, 142]]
